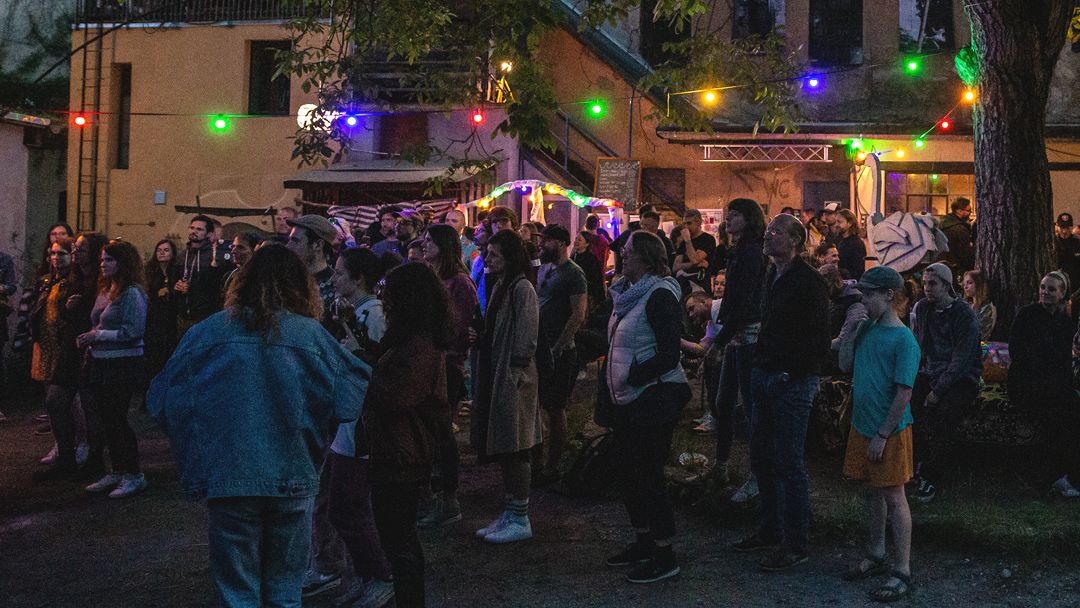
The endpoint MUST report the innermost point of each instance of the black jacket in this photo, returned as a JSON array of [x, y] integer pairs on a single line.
[[961, 254], [205, 277], [1040, 346], [743, 294], [794, 334]]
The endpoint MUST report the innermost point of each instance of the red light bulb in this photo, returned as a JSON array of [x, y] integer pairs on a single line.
[[477, 117], [80, 120], [945, 125]]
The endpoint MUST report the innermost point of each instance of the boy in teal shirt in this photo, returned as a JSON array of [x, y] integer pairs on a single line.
[[879, 451]]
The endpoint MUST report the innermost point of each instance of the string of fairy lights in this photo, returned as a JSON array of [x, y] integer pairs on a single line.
[[594, 108]]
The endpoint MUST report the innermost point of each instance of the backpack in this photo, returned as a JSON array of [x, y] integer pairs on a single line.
[[594, 472]]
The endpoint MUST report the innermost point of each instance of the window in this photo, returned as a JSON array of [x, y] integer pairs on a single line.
[[123, 116], [926, 192], [755, 17], [938, 29], [655, 33], [267, 96], [836, 32]]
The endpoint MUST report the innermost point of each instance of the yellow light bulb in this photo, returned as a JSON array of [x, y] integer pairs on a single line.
[[710, 97], [861, 156], [969, 96], [900, 154], [506, 66]]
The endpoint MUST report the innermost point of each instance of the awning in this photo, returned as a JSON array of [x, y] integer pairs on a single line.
[[374, 172]]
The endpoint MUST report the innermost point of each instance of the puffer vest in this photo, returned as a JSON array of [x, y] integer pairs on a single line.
[[631, 339]]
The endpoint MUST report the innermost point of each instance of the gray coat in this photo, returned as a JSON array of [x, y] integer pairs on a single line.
[[507, 414]]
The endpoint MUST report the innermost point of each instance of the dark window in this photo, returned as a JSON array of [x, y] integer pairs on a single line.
[[836, 32], [399, 132], [655, 33], [267, 95], [934, 18], [123, 116], [752, 18]]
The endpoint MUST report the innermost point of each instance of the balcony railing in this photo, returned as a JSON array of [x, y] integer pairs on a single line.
[[182, 11]]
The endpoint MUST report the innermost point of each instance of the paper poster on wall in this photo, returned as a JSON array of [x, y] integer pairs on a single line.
[[711, 220]]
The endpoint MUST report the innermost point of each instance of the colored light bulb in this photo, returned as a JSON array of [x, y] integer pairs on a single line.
[[597, 108], [351, 121], [900, 154], [945, 125], [477, 117], [969, 95], [80, 121], [710, 97], [813, 82], [919, 143]]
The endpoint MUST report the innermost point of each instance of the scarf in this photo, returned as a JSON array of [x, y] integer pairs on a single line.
[[625, 294]]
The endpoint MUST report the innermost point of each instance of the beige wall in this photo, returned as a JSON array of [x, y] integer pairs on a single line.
[[186, 72]]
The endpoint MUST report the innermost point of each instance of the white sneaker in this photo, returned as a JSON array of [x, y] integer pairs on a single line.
[[747, 492], [512, 531], [494, 526], [51, 456], [106, 482], [131, 484], [707, 424], [1066, 489], [82, 452]]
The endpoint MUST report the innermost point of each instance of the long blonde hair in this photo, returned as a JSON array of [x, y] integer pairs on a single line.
[[982, 288]]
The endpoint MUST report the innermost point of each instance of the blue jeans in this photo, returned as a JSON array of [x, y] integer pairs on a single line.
[[734, 383], [259, 549], [778, 457]]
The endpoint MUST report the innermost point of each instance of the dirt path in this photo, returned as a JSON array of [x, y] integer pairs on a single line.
[[60, 547]]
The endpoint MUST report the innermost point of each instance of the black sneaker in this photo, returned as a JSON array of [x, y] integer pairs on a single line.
[[755, 543], [58, 472], [925, 492], [632, 555], [782, 560], [655, 570]]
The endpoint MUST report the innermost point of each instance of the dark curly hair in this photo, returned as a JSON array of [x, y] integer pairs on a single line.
[[415, 303], [129, 268], [274, 281], [753, 215]]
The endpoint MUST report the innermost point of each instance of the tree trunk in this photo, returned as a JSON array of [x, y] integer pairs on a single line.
[[1017, 44]]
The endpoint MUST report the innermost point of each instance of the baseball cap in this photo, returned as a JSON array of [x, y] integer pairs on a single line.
[[942, 272], [831, 207], [317, 224], [556, 232], [1065, 220], [880, 277]]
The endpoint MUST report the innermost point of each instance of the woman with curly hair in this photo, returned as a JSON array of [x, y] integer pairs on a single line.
[[246, 401], [114, 363]]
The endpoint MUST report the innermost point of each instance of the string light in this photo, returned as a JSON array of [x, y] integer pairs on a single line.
[[900, 154], [80, 120], [920, 143], [477, 117], [912, 66], [351, 121], [945, 124], [506, 66], [597, 108], [709, 97], [219, 123], [969, 95]]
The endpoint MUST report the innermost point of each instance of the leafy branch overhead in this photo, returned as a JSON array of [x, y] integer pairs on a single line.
[[379, 56]]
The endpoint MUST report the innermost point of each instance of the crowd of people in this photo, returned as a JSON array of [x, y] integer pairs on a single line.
[[311, 381]]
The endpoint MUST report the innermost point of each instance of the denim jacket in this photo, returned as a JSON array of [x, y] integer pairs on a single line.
[[251, 417]]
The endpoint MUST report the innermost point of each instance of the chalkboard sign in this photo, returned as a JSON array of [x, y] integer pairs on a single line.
[[618, 179]]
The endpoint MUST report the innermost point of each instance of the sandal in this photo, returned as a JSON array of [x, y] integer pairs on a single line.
[[891, 593], [871, 565]]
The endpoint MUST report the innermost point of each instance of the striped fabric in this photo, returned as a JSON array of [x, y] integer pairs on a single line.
[[360, 217]]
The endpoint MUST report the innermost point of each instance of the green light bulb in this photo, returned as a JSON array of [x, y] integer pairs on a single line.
[[597, 109], [919, 143]]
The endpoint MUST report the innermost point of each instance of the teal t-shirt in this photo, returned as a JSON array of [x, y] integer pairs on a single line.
[[885, 356]]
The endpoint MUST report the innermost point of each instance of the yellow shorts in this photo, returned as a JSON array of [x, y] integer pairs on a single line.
[[895, 468]]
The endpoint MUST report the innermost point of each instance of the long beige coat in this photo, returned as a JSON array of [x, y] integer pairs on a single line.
[[506, 417]]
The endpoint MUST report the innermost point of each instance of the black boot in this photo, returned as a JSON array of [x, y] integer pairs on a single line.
[[64, 469]]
